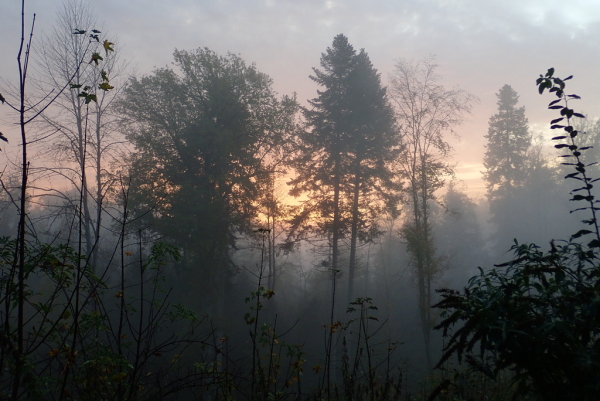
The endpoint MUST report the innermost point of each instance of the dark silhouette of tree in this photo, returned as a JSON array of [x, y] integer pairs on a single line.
[[373, 147], [344, 157], [509, 139], [202, 141]]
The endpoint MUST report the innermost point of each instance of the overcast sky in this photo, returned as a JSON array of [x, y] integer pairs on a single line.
[[480, 45]]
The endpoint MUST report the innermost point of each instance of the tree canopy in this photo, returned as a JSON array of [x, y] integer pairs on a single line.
[[202, 139]]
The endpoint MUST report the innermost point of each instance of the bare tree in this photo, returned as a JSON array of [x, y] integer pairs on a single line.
[[16, 342], [78, 137], [427, 112]]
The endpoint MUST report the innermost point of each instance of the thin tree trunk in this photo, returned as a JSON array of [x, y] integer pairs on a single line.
[[354, 231], [334, 269], [81, 155], [99, 195], [20, 264], [428, 267]]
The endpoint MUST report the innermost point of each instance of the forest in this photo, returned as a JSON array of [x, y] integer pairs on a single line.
[[191, 234]]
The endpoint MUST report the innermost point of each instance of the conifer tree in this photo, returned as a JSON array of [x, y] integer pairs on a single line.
[[509, 139], [508, 167], [343, 160], [344, 157]]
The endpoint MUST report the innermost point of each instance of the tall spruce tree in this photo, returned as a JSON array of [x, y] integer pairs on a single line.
[[344, 157], [343, 160], [509, 139], [506, 163]]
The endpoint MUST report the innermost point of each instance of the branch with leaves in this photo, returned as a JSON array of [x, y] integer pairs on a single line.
[[584, 192]]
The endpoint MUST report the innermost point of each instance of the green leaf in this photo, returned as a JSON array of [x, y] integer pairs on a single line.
[[550, 72], [3, 138], [95, 58], [76, 86], [105, 86], [108, 46], [90, 98], [79, 32], [2, 99]]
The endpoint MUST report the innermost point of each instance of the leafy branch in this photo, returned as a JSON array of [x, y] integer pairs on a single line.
[[584, 192]]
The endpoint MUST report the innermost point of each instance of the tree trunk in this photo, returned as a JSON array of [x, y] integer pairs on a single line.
[[354, 231], [334, 268], [99, 195], [427, 265]]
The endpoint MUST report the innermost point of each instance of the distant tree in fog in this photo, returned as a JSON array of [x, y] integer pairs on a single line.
[[427, 112], [203, 138], [523, 187], [505, 159], [590, 129], [459, 237]]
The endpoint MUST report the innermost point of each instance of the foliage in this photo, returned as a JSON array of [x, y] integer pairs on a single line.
[[538, 314], [73, 342], [367, 361], [202, 139], [65, 332]]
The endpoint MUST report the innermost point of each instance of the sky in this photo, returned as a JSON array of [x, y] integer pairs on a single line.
[[480, 45]]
